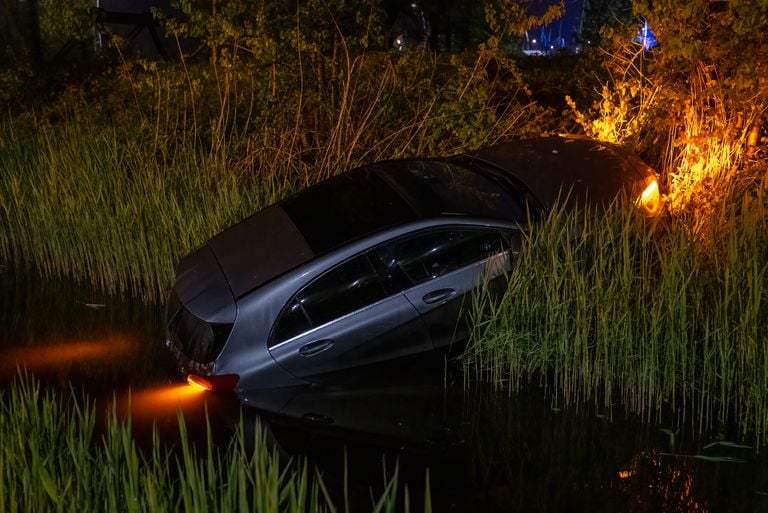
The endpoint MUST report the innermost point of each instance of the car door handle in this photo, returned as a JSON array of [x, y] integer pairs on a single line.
[[438, 295], [314, 348]]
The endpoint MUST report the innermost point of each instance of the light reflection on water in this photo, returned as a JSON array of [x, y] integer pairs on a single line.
[[161, 401], [51, 329], [485, 451], [114, 349]]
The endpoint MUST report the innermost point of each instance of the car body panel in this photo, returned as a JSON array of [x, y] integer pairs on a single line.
[[447, 319], [582, 171], [246, 353], [260, 281], [388, 329]]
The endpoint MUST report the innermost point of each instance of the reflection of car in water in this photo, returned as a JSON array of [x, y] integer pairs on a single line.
[[486, 450], [376, 263], [402, 404]]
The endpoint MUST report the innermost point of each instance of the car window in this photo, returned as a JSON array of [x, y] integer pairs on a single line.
[[435, 253], [293, 321], [342, 290]]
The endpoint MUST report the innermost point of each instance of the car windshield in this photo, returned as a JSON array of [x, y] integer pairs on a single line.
[[434, 187]]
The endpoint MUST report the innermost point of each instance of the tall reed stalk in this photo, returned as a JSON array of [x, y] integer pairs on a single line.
[[91, 204], [617, 313], [51, 460], [115, 191]]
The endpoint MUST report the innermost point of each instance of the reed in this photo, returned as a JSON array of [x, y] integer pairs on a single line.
[[94, 205], [619, 313], [52, 460], [115, 190]]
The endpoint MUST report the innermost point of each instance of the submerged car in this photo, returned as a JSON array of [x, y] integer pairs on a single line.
[[378, 262]]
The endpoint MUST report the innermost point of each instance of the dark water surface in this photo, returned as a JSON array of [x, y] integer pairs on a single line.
[[485, 451]]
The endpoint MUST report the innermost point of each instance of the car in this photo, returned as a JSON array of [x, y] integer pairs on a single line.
[[379, 262]]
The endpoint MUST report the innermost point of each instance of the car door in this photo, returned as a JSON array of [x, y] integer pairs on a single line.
[[444, 267], [351, 315]]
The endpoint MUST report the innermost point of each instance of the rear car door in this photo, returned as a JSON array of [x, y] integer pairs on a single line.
[[349, 316]]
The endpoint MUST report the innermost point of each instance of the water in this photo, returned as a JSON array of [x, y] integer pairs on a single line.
[[485, 451]]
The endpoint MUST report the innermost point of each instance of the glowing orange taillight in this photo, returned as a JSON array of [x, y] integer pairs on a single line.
[[650, 199], [222, 383]]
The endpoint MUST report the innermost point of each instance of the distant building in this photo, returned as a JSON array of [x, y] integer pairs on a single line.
[[561, 35]]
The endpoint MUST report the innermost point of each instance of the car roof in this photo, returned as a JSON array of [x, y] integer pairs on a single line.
[[582, 170], [439, 187], [351, 206], [385, 194], [372, 198], [258, 248]]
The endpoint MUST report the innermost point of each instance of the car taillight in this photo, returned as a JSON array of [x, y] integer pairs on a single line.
[[650, 199], [222, 383]]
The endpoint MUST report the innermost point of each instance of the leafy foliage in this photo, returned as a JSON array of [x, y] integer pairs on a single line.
[[694, 106], [602, 14]]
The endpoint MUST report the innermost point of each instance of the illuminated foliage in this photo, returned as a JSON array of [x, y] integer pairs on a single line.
[[695, 105], [712, 64]]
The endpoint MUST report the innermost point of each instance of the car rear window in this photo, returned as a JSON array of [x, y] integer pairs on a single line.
[[345, 208]]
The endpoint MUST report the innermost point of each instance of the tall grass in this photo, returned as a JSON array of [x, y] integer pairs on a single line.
[[52, 460], [620, 314], [88, 203], [115, 190]]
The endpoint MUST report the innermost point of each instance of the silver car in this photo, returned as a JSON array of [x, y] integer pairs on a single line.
[[378, 262]]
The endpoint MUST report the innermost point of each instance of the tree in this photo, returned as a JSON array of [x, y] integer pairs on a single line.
[[598, 14], [712, 62]]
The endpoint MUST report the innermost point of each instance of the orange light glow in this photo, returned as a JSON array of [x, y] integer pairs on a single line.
[[199, 383], [661, 478], [650, 199], [216, 383], [57, 355], [164, 400]]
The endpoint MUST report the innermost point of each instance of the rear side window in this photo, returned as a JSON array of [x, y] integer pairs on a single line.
[[342, 290], [293, 321], [435, 253]]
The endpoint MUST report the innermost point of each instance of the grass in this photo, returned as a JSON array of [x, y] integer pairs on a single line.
[[51, 459], [103, 207], [116, 189], [603, 309]]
